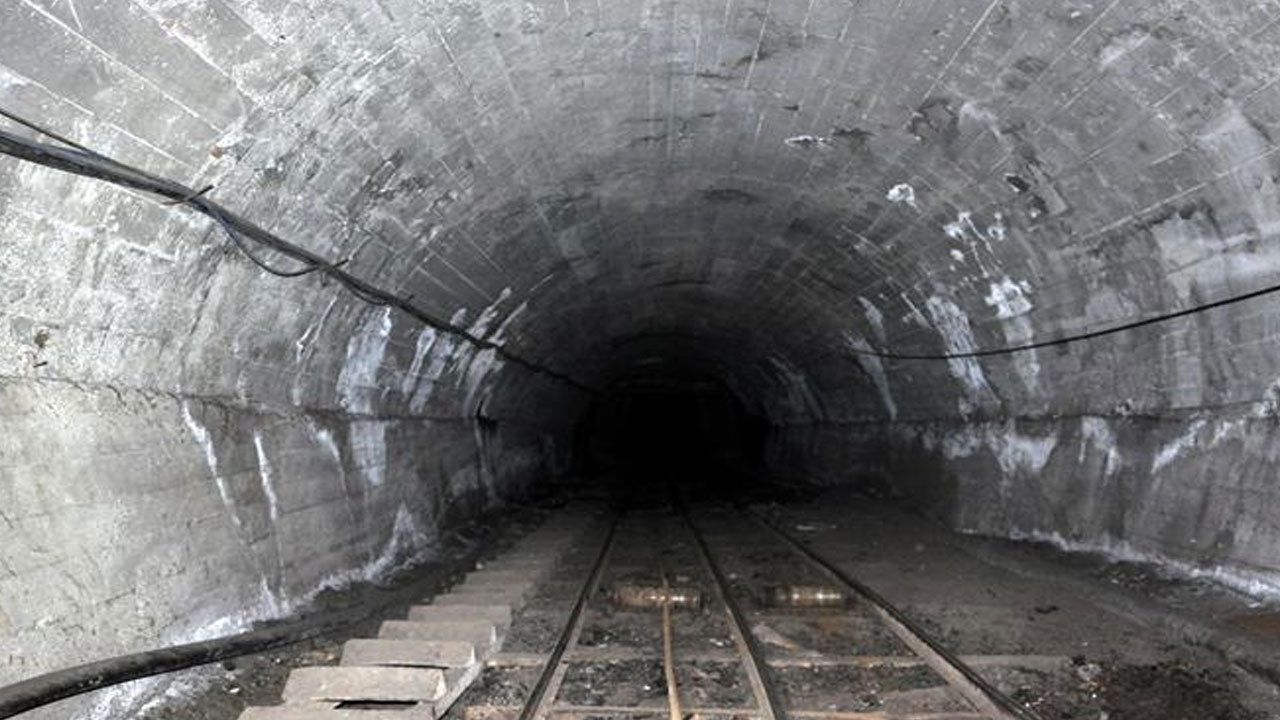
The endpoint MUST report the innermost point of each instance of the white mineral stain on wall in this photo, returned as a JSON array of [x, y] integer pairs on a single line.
[[368, 441], [479, 373], [874, 368], [913, 313], [953, 325], [270, 602], [480, 327], [996, 231], [902, 194], [1260, 585], [305, 345], [1120, 45], [409, 543], [10, 80], [267, 474], [500, 335], [1012, 305], [485, 469], [798, 397], [807, 141], [438, 358], [958, 228], [1266, 408], [357, 383], [963, 443], [1015, 453], [205, 441], [875, 319], [1009, 298], [965, 229], [1170, 451], [426, 340], [1096, 433]]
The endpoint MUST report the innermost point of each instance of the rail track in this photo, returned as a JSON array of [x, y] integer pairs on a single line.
[[684, 612], [731, 658]]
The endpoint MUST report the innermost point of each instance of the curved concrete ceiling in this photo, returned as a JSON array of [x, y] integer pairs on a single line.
[[786, 178]]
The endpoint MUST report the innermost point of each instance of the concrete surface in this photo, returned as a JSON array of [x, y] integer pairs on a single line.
[[750, 189]]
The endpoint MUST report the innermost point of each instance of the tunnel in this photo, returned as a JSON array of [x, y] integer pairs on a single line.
[[1002, 263]]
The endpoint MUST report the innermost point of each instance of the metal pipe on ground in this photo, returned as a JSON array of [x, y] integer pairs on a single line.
[[806, 596], [657, 597]]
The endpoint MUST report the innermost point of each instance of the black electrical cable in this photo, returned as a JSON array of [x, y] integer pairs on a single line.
[[79, 160], [89, 164], [45, 131], [41, 690], [244, 249], [1165, 317]]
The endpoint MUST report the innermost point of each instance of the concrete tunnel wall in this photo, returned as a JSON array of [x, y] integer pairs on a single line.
[[747, 188]]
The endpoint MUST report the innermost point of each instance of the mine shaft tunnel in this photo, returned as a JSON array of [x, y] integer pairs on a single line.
[[618, 236]]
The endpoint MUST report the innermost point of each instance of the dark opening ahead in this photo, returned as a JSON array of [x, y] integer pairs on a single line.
[[669, 425]]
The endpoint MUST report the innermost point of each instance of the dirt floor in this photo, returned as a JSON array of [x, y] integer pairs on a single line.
[[1136, 643], [1047, 629]]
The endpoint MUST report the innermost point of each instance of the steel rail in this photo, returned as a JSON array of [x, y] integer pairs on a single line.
[[985, 697], [544, 692], [753, 658]]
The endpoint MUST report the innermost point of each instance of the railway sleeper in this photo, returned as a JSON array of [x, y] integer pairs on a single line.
[[419, 666]]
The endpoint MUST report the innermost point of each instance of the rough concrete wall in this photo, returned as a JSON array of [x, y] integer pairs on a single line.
[[187, 444], [1173, 463], [753, 188], [134, 519]]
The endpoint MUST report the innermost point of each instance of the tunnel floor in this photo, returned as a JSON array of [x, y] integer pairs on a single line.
[[1065, 636]]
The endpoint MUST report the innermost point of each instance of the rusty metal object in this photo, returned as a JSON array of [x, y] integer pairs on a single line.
[[806, 596], [656, 596], [669, 661]]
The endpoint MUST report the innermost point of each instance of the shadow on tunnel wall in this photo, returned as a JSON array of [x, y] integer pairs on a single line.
[[864, 458]]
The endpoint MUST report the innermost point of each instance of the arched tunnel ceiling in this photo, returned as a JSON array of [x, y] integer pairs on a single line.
[[784, 179]]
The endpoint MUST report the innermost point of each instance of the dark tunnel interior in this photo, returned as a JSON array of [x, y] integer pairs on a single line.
[[669, 422], [295, 293]]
